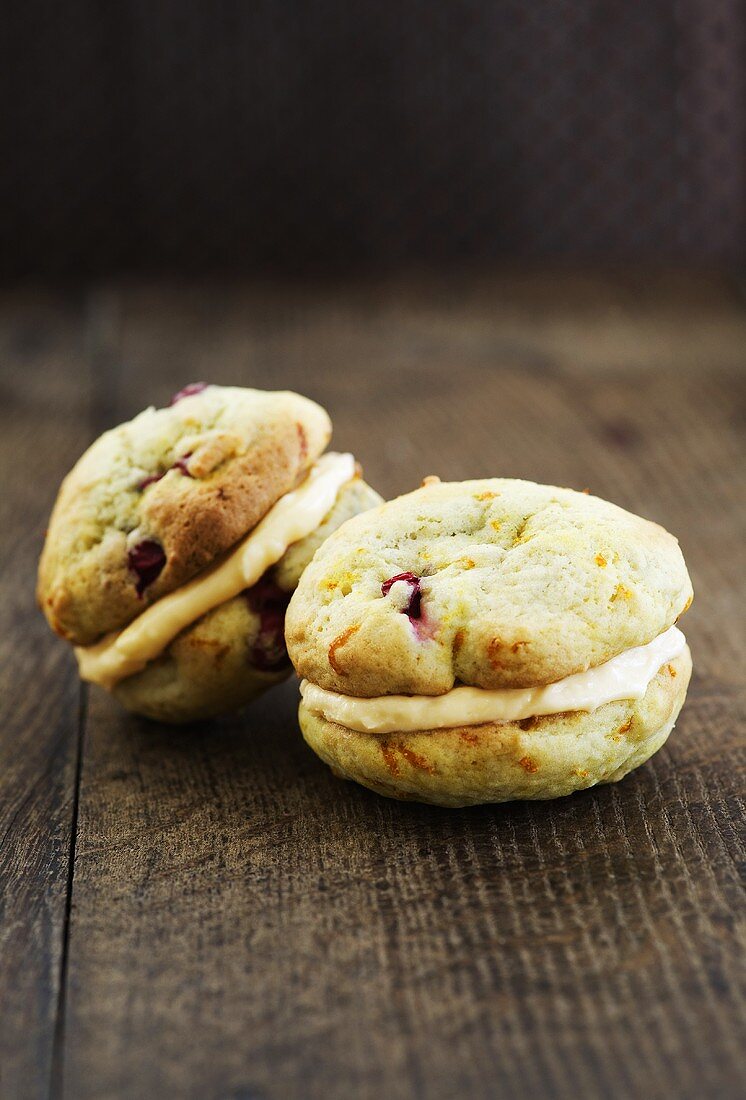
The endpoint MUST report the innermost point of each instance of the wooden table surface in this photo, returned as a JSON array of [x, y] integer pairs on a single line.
[[207, 912]]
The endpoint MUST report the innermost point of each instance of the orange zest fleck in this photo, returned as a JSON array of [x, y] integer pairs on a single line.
[[493, 653], [389, 758], [302, 441], [338, 642], [416, 760]]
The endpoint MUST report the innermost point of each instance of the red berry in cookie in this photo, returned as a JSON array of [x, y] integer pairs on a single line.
[[181, 464], [188, 391], [269, 602], [146, 559], [414, 607], [149, 481]]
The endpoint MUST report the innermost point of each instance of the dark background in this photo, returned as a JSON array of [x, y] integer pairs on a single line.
[[178, 135]]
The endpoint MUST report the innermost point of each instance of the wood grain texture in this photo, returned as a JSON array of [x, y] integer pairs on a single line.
[[243, 924], [43, 421]]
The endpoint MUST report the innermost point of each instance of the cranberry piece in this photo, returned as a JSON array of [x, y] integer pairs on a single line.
[[413, 608], [181, 464], [267, 600], [188, 391], [146, 559], [149, 481]]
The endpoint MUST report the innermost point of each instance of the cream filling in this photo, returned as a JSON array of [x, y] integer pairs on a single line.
[[626, 676], [294, 516]]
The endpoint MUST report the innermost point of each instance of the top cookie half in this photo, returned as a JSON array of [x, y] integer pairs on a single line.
[[156, 500], [506, 584]]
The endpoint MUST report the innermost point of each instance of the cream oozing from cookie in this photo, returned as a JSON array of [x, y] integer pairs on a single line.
[[625, 676], [294, 516]]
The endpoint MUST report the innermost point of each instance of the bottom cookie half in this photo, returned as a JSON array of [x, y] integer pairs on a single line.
[[536, 758]]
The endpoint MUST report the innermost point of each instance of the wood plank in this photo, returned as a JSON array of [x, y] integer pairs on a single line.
[[245, 925], [44, 424]]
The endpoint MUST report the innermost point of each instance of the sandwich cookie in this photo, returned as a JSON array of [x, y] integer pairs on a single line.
[[490, 640], [177, 539]]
